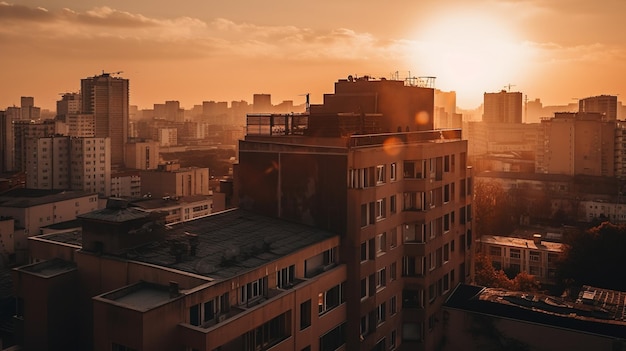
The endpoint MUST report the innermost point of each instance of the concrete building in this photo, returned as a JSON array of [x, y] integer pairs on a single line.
[[106, 97], [604, 104], [399, 199], [91, 165], [535, 256], [7, 144], [173, 181], [478, 318], [70, 104], [182, 209], [167, 137], [445, 110], [126, 184], [22, 132], [28, 110], [32, 209], [213, 283], [142, 154], [262, 103], [81, 125], [580, 143], [503, 107]]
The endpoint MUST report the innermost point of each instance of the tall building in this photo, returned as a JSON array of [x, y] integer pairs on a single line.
[[605, 104], [106, 97], [28, 110], [580, 143], [69, 104], [6, 143], [63, 163], [445, 110], [503, 107], [400, 201], [262, 103], [22, 132]]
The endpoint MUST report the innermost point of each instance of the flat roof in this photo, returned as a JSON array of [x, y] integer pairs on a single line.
[[229, 243], [24, 198], [141, 296], [521, 243], [154, 203], [70, 237], [116, 214], [606, 318], [49, 268]]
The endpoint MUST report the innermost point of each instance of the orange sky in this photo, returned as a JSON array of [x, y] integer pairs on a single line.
[[198, 50]]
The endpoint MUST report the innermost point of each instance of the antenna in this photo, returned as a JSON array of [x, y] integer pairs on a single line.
[[509, 87]]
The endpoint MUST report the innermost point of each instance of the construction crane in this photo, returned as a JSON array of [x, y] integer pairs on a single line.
[[508, 87]]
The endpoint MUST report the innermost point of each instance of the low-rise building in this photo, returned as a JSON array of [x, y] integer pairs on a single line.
[[479, 318], [172, 180], [181, 209], [536, 257]]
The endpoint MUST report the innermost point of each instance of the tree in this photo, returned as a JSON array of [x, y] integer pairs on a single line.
[[492, 209], [595, 257], [486, 275]]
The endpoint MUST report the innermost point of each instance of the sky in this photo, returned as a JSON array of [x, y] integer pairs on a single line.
[[201, 50]]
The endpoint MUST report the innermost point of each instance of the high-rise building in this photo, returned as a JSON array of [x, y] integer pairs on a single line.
[[63, 162], [22, 132], [28, 110], [605, 104], [70, 103], [503, 107], [580, 143], [400, 200], [106, 97]]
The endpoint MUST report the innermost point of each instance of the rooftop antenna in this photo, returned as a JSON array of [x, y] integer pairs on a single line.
[[508, 87]]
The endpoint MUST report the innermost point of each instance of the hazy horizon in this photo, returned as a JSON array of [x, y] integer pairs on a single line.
[[195, 51]]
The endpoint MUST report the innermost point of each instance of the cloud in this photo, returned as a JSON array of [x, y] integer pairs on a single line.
[[110, 32]]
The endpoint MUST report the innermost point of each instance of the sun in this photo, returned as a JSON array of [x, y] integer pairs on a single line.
[[470, 53]]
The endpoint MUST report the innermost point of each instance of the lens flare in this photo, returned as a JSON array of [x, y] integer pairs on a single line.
[[422, 118], [389, 146]]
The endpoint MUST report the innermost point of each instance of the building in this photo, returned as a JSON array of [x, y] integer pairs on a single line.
[[445, 110], [535, 256], [81, 125], [126, 184], [28, 110], [230, 281], [604, 104], [106, 97], [171, 180], [70, 104], [580, 143], [364, 166], [478, 318], [7, 143], [22, 132], [167, 136], [183, 209], [142, 154], [503, 107], [32, 209], [262, 103]]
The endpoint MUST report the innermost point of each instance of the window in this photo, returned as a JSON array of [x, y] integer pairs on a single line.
[[364, 288], [393, 306], [412, 331], [363, 326], [414, 233], [305, 314], [381, 279], [535, 271], [514, 253], [446, 163], [432, 320], [393, 168], [330, 299], [252, 290], [446, 253], [432, 292], [381, 243], [495, 251], [535, 256], [285, 277], [392, 340], [446, 283], [393, 204], [394, 237], [412, 299], [413, 201], [364, 215], [329, 256], [333, 339], [392, 272], [380, 174], [432, 259], [446, 222], [381, 313], [364, 251], [381, 207], [446, 193]]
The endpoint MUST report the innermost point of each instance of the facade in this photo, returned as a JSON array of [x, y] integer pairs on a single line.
[[91, 165], [22, 132], [604, 104], [142, 154], [478, 318], [167, 136], [126, 184], [184, 209], [503, 107], [7, 239], [28, 110], [400, 201], [273, 285], [579, 143], [70, 104], [173, 181], [535, 256], [81, 125], [445, 110], [32, 209], [106, 97]]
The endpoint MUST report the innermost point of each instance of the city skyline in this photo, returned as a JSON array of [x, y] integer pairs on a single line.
[[199, 51]]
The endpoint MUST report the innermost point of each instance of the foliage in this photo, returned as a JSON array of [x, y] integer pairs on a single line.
[[595, 257], [492, 209], [486, 275]]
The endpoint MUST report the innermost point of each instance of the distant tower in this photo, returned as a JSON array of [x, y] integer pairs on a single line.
[[28, 109], [503, 107], [262, 103], [606, 104], [106, 97]]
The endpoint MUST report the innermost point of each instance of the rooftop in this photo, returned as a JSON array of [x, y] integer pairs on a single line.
[[604, 316], [24, 198], [154, 203], [141, 296], [227, 243], [521, 243], [49, 268]]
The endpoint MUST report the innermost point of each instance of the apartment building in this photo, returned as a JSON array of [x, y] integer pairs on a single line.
[[230, 281], [180, 209], [367, 164], [170, 179], [535, 256]]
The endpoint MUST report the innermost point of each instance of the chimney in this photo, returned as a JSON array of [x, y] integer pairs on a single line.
[[537, 239], [174, 289]]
